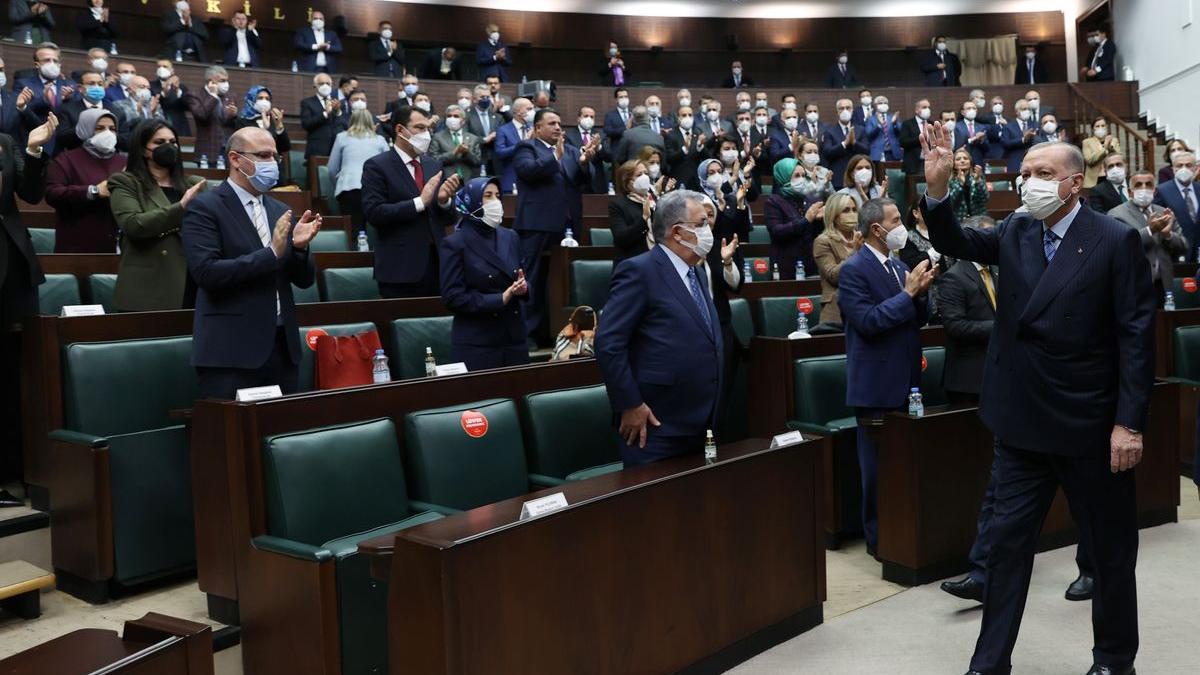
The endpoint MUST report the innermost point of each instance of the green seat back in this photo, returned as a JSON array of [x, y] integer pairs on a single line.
[[601, 236], [100, 288], [739, 317], [56, 291], [449, 467], [310, 294], [820, 390], [43, 239], [570, 430], [329, 240], [777, 315], [759, 271], [297, 166], [589, 282], [760, 235], [350, 283], [411, 336], [328, 185], [932, 392], [1184, 299], [897, 186], [126, 386], [308, 357], [1187, 353]]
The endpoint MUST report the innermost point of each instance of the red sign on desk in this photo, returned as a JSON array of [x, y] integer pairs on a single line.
[[804, 305], [924, 363], [1189, 285], [760, 266]]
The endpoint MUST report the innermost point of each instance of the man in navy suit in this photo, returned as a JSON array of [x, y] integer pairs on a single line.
[[881, 128], [883, 306], [941, 66], [550, 176], [841, 75], [491, 56], [1101, 62], [1031, 69], [1020, 137], [244, 253], [399, 189], [841, 141], [864, 109], [10, 119], [185, 34], [659, 345], [972, 133], [316, 46], [507, 137], [618, 120], [1181, 195], [48, 91], [997, 129], [1066, 389], [241, 41]]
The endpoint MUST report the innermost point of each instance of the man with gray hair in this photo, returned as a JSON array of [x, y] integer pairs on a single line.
[[483, 120], [214, 112], [659, 345], [457, 148], [638, 136]]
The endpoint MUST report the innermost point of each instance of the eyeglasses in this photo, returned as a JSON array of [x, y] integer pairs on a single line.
[[698, 224], [265, 155]]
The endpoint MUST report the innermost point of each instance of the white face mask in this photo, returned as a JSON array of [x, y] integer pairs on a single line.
[[810, 159], [812, 117], [715, 181], [744, 126], [100, 65], [743, 105], [704, 240], [728, 157], [493, 213], [1143, 197], [979, 103], [163, 73], [125, 78], [862, 177], [789, 123], [181, 6], [941, 46], [1049, 128], [896, 238], [654, 171], [865, 100], [465, 104], [760, 103], [798, 184], [3, 80], [420, 142], [845, 115], [997, 108], [923, 113], [262, 105], [586, 123], [386, 33], [50, 70], [1116, 175], [790, 105], [222, 88], [1100, 132], [1184, 175], [494, 36], [737, 71], [143, 95], [1033, 103], [641, 184], [761, 120], [622, 103], [970, 113], [613, 51], [105, 141], [362, 105], [882, 108], [324, 89], [1040, 197], [685, 102], [318, 24], [653, 110], [422, 105], [948, 125], [686, 122], [1023, 114], [712, 115]]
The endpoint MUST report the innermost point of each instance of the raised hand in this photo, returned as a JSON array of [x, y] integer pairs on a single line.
[[918, 280], [939, 160], [447, 190], [431, 188], [191, 193], [856, 241], [815, 212], [279, 234], [728, 248], [41, 134], [305, 230], [24, 98]]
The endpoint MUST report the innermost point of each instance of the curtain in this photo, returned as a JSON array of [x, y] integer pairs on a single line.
[[987, 61]]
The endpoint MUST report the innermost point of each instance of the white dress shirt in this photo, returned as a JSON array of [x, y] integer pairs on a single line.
[[243, 48], [407, 159], [318, 40], [248, 202]]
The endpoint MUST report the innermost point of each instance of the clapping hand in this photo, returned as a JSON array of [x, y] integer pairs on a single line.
[[518, 288], [40, 135], [815, 212], [24, 98], [939, 160], [856, 241], [918, 280], [448, 188], [191, 193], [1162, 221], [728, 249], [558, 149], [305, 230]]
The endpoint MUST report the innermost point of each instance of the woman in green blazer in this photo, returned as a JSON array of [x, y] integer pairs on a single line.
[[148, 199]]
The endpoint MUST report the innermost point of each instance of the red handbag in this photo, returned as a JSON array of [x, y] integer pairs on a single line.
[[345, 360]]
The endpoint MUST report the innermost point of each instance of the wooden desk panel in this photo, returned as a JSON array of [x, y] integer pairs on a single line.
[[155, 644], [1165, 324]]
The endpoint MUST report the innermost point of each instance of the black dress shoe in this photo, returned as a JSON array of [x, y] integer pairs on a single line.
[[974, 672], [1081, 588], [966, 588], [8, 499], [1098, 669]]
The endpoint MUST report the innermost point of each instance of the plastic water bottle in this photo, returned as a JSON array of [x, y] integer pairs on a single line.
[[295, 67], [568, 241], [379, 368], [611, 189], [1169, 302], [747, 274], [800, 273], [112, 49], [483, 171], [774, 271], [710, 447], [178, 56], [203, 161], [28, 37], [524, 79], [364, 244], [801, 331], [916, 408], [430, 363], [221, 162]]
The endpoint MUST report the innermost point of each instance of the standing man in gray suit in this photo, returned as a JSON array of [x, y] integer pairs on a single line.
[[457, 148], [1162, 236], [638, 136]]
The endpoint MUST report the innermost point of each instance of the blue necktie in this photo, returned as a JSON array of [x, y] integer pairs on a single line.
[[698, 297], [894, 274], [1049, 244]]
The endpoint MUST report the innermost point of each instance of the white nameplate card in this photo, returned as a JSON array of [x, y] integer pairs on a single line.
[[82, 310], [543, 505], [790, 438], [459, 368], [259, 393]]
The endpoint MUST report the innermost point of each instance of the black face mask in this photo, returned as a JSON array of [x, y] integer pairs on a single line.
[[166, 155]]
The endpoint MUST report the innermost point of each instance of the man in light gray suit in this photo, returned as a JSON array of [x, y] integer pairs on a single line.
[[139, 106], [1162, 237], [638, 136], [456, 148]]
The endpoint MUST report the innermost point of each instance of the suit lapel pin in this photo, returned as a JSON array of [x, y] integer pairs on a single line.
[[1079, 251]]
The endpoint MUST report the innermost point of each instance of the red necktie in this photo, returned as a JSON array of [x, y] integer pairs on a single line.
[[418, 174]]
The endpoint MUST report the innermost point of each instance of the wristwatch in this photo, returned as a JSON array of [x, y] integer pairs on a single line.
[[93, 192], [1135, 432]]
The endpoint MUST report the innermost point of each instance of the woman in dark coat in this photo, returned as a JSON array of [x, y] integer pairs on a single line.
[[630, 210], [77, 186], [792, 221], [482, 283]]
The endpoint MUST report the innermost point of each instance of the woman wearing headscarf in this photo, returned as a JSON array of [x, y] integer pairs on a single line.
[[257, 111], [793, 220], [148, 201], [482, 283], [77, 186], [733, 215]]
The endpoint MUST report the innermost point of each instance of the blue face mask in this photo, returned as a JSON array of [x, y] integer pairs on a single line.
[[410, 90], [94, 93], [485, 103], [266, 175]]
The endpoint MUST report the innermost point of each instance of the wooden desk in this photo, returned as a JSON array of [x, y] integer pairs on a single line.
[[1165, 324], [669, 567], [155, 644]]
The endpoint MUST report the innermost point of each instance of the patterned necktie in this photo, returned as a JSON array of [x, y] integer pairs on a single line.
[[1189, 198], [970, 128], [259, 216], [1121, 191], [986, 275], [894, 273], [456, 138], [698, 297], [418, 174], [1050, 244]]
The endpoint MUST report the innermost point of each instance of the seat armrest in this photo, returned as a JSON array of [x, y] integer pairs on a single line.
[[1181, 380], [292, 549], [78, 438], [418, 506], [593, 471], [810, 428], [544, 481]]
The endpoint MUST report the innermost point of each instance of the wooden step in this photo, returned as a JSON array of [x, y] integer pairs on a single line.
[[20, 588]]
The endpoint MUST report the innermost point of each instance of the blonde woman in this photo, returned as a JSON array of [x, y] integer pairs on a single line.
[[1095, 148], [351, 149], [837, 242]]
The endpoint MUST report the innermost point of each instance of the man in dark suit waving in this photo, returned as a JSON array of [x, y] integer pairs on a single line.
[[1066, 389], [244, 253], [398, 192], [659, 345]]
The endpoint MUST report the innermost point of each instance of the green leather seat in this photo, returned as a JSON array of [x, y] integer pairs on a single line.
[[755, 274], [56, 291], [117, 396], [740, 319], [302, 295], [589, 282], [759, 235], [452, 470], [1187, 353], [570, 430], [327, 187], [897, 186], [777, 315], [308, 358], [325, 491], [411, 336], [932, 392], [350, 283], [296, 165], [43, 239], [329, 240], [100, 289], [601, 236], [1183, 298]]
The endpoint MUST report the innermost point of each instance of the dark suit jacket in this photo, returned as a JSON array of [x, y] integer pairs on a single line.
[[84, 225], [791, 234], [909, 136], [1015, 146], [933, 76], [1105, 63], [237, 281], [384, 64], [649, 314], [303, 42], [883, 344], [10, 119], [614, 126], [477, 266], [431, 68], [1072, 350], [746, 81], [65, 137], [404, 235], [628, 227], [229, 42], [24, 176], [93, 32], [967, 316], [1168, 195], [1104, 196], [37, 109], [596, 180], [485, 55], [503, 150], [835, 155], [181, 38], [547, 188], [1022, 75], [979, 150], [174, 106], [682, 165], [834, 78], [321, 130], [1161, 251], [632, 142]]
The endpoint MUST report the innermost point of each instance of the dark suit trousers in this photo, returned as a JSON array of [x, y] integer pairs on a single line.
[[1103, 506], [868, 463], [18, 300], [660, 447], [424, 287], [223, 383], [533, 243]]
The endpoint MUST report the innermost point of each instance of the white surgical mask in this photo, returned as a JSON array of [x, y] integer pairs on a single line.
[[997, 108], [1023, 114], [654, 171], [948, 125], [685, 102], [143, 95], [761, 120], [744, 126], [978, 103], [704, 240], [1115, 174], [623, 103], [1184, 175], [812, 117], [790, 105], [105, 141], [865, 100], [1030, 55], [422, 105], [420, 142], [970, 113], [843, 60], [324, 89], [896, 238], [797, 184], [1040, 197], [743, 106], [712, 115], [1100, 132], [100, 65], [318, 24], [125, 78], [493, 213], [586, 123], [465, 104], [1049, 128], [181, 6], [223, 88], [810, 159], [728, 156], [163, 72], [653, 110], [789, 123], [50, 70], [760, 103], [882, 108], [862, 177], [494, 36], [737, 71], [612, 51], [386, 33], [923, 113], [362, 105], [3, 80], [715, 181], [941, 46], [845, 115], [1143, 197], [1033, 103], [641, 184], [262, 105], [686, 122], [453, 123]]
